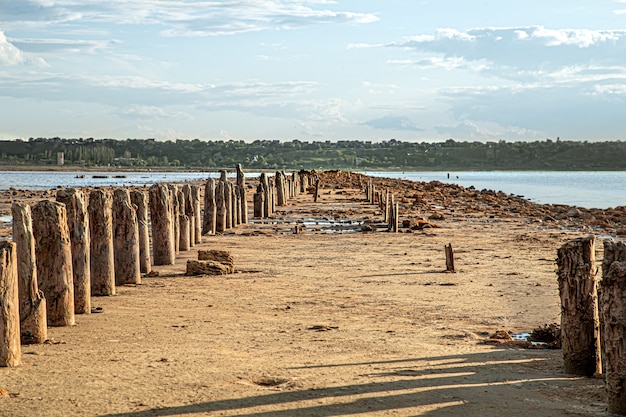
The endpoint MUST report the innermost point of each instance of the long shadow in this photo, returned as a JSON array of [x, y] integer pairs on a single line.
[[444, 389]]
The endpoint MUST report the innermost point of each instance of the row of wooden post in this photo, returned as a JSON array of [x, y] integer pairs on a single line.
[[276, 191], [593, 328], [65, 251]]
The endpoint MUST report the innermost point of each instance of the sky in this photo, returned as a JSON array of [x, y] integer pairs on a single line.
[[409, 70]]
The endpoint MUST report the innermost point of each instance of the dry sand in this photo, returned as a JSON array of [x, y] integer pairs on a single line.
[[328, 322]]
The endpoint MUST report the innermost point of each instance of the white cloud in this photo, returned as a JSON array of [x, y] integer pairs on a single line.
[[12, 55], [182, 18]]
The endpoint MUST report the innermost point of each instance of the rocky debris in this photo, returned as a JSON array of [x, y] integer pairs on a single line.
[[221, 256], [206, 268]]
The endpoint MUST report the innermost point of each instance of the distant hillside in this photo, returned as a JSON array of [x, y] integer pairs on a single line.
[[296, 154]]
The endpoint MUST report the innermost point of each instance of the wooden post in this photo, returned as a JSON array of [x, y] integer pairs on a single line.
[[241, 182], [139, 200], [259, 203], [317, 189], [612, 299], [197, 223], [10, 349], [220, 203], [33, 322], [53, 252], [267, 201], [228, 203], [449, 258], [163, 247], [101, 249], [78, 224], [238, 213], [185, 236], [208, 223], [187, 208], [233, 205], [125, 239], [175, 211], [280, 188], [580, 322]]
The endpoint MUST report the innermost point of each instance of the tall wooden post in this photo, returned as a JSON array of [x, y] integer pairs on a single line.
[[78, 224], [241, 182], [33, 322], [197, 223], [175, 211], [317, 190], [612, 301], [267, 202], [228, 203], [125, 239], [10, 349], [580, 322], [259, 203], [280, 188], [139, 200], [101, 250], [185, 235], [220, 203], [233, 204], [53, 252], [187, 208], [210, 210], [163, 247]]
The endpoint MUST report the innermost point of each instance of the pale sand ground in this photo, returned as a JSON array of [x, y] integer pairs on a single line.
[[395, 335]]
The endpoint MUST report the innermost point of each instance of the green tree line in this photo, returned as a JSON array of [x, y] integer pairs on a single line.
[[296, 154]]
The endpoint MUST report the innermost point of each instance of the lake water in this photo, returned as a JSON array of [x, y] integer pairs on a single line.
[[597, 189], [578, 188]]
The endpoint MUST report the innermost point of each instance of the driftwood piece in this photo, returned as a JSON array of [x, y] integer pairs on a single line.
[[10, 349], [140, 202], [241, 183], [32, 303], [580, 321], [210, 213], [221, 256], [205, 268], [163, 247], [101, 249], [78, 224], [53, 253], [125, 239], [613, 319]]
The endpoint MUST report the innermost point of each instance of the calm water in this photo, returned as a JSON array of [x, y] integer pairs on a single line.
[[576, 188], [45, 180]]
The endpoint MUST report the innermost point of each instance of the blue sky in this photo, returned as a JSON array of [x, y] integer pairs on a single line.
[[313, 70]]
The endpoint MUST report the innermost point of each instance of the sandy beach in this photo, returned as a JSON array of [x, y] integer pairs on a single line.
[[331, 321]]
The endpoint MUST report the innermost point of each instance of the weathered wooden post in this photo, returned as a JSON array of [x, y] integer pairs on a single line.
[[197, 212], [185, 236], [188, 209], [10, 349], [259, 202], [237, 197], [32, 303], [280, 188], [163, 247], [53, 253], [393, 216], [233, 204], [267, 196], [125, 239], [303, 182], [317, 189], [612, 299], [228, 203], [101, 249], [220, 203], [385, 206], [580, 321], [241, 182], [210, 211], [139, 200], [78, 224], [449, 258], [175, 211]]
